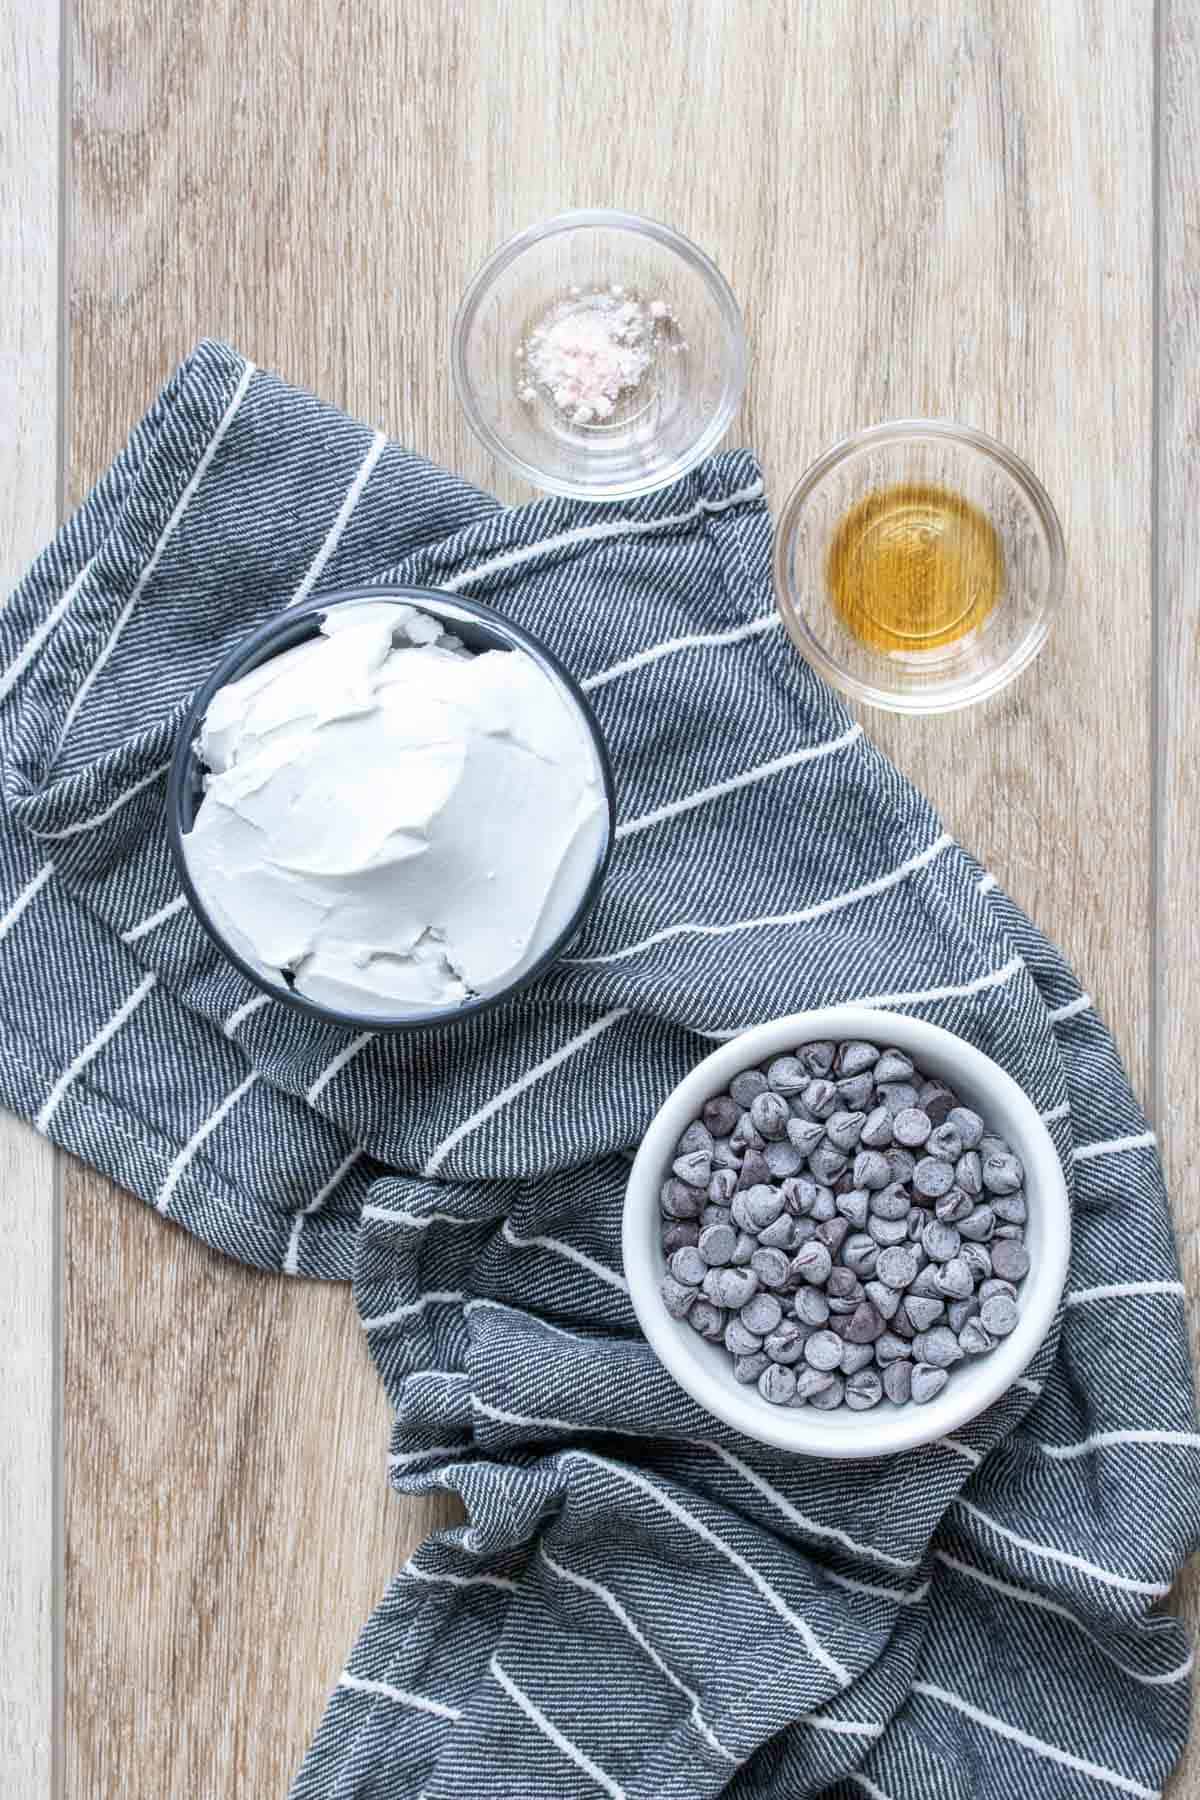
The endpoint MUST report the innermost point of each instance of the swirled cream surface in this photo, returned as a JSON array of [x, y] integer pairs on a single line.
[[391, 823]]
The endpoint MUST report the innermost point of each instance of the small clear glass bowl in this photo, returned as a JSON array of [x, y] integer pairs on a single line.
[[676, 415], [966, 464]]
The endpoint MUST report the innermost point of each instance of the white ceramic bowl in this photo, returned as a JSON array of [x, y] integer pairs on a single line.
[[706, 1370]]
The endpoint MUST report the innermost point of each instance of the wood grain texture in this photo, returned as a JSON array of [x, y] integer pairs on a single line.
[[1176, 1100], [925, 208], [29, 1297]]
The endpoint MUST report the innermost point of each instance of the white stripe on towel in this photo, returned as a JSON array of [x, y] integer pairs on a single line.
[[558, 1248], [154, 920], [163, 1200], [1062, 1013], [1154, 1590], [363, 475], [774, 1600], [538, 1718], [836, 903], [763, 772], [1038, 1746], [608, 1599], [92, 1050], [704, 640], [446, 1297], [25, 898], [1104, 1440], [359, 1684], [291, 1261], [1126, 1290], [336, 1066], [156, 555], [25, 656], [590, 534], [101, 818], [1111, 1146], [506, 1095]]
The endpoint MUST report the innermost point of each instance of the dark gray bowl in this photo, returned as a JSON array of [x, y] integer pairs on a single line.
[[480, 628]]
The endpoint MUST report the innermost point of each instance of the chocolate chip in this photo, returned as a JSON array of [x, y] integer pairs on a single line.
[[893, 1065], [696, 1137], [787, 1075], [721, 1114], [777, 1384], [897, 1266], [932, 1177], [746, 1087], [999, 1315], [811, 1306], [911, 1127], [823, 1351], [937, 1100], [853, 1206], [927, 1383], [922, 1311], [677, 1296], [832, 1233], [708, 1320], [974, 1340], [1002, 1173], [844, 1129], [831, 1397], [855, 1055], [717, 1245], [681, 1233], [783, 1160], [883, 1298], [779, 1236], [786, 1343], [863, 1390], [871, 1170], [817, 1057], [688, 1265], [897, 1096], [821, 1098], [897, 1381], [740, 1340], [856, 1091], [877, 1129], [968, 1125], [1010, 1259], [940, 1242], [960, 1311], [968, 1173], [812, 1264]]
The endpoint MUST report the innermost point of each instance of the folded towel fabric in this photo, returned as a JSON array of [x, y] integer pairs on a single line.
[[643, 1603]]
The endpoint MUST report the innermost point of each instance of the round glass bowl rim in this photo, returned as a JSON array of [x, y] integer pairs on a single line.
[[246, 655], [931, 701], [612, 219]]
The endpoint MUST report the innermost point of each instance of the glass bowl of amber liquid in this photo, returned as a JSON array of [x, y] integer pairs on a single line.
[[919, 565]]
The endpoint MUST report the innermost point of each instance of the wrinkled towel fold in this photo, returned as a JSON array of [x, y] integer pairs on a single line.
[[643, 1603]]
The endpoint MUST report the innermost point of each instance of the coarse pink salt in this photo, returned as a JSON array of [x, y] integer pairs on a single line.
[[589, 351]]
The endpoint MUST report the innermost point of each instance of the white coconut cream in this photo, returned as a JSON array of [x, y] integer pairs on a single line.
[[391, 823]]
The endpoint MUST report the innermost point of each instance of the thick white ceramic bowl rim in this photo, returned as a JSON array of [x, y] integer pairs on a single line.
[[611, 219], [993, 680], [885, 1429]]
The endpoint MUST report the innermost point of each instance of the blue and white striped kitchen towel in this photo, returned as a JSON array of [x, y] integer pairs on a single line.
[[642, 1604]]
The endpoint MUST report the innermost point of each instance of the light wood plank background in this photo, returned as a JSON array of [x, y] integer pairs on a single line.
[[941, 208], [29, 1213], [1175, 998]]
